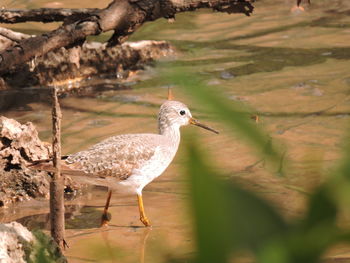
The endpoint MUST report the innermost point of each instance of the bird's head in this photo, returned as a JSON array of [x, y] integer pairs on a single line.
[[176, 114]]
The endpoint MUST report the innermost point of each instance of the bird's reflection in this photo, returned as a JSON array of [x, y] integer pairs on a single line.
[[144, 233], [143, 241]]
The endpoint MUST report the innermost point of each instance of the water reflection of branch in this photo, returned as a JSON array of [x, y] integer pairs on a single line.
[[142, 247], [109, 248]]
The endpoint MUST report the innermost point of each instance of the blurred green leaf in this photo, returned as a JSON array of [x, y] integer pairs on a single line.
[[344, 169], [299, 245], [227, 217], [339, 181], [274, 252], [321, 209]]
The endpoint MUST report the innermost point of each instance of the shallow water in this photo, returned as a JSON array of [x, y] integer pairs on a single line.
[[291, 68]]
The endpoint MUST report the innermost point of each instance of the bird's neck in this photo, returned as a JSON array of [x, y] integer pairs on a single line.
[[172, 132]]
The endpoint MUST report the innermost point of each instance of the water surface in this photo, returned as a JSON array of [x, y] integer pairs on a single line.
[[291, 68]]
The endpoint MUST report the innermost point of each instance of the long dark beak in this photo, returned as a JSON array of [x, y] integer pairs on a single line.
[[197, 123]]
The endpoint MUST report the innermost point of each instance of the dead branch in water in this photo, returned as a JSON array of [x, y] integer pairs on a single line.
[[57, 183], [82, 66], [12, 35], [121, 16], [9, 38], [45, 15]]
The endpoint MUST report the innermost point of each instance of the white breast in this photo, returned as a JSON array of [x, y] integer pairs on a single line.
[[150, 170]]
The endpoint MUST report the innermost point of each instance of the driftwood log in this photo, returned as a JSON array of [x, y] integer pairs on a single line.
[[121, 16], [69, 66]]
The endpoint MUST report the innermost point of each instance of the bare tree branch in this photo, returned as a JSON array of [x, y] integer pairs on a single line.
[[122, 16], [12, 35], [45, 15]]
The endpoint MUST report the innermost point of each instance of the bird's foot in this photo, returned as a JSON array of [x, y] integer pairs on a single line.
[[145, 221]]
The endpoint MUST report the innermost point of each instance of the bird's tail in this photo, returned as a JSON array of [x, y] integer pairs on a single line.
[[79, 175]]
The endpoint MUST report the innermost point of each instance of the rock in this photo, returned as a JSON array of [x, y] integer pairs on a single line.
[[18, 244], [226, 75], [15, 240], [19, 146]]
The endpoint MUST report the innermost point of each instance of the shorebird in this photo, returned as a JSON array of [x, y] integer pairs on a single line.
[[129, 162]]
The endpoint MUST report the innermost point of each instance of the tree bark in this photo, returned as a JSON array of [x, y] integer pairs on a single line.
[[12, 35], [45, 15], [122, 16], [57, 183], [9, 38], [83, 66]]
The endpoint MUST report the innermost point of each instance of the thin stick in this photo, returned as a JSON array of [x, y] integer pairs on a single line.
[[57, 185], [104, 218]]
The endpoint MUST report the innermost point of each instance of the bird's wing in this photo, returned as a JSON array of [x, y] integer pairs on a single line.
[[117, 156]]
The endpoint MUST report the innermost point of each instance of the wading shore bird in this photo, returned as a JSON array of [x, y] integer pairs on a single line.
[[129, 162]]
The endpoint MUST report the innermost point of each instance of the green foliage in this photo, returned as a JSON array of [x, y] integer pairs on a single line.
[[45, 250], [227, 216], [229, 219]]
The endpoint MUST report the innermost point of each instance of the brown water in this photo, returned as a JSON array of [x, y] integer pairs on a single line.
[[292, 68]]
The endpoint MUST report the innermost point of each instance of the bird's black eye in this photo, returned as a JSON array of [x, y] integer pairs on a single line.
[[182, 112]]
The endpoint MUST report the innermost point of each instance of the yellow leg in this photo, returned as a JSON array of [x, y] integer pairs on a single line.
[[143, 216], [104, 218]]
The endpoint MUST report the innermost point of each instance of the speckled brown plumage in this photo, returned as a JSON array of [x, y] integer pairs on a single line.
[[130, 161], [118, 156]]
